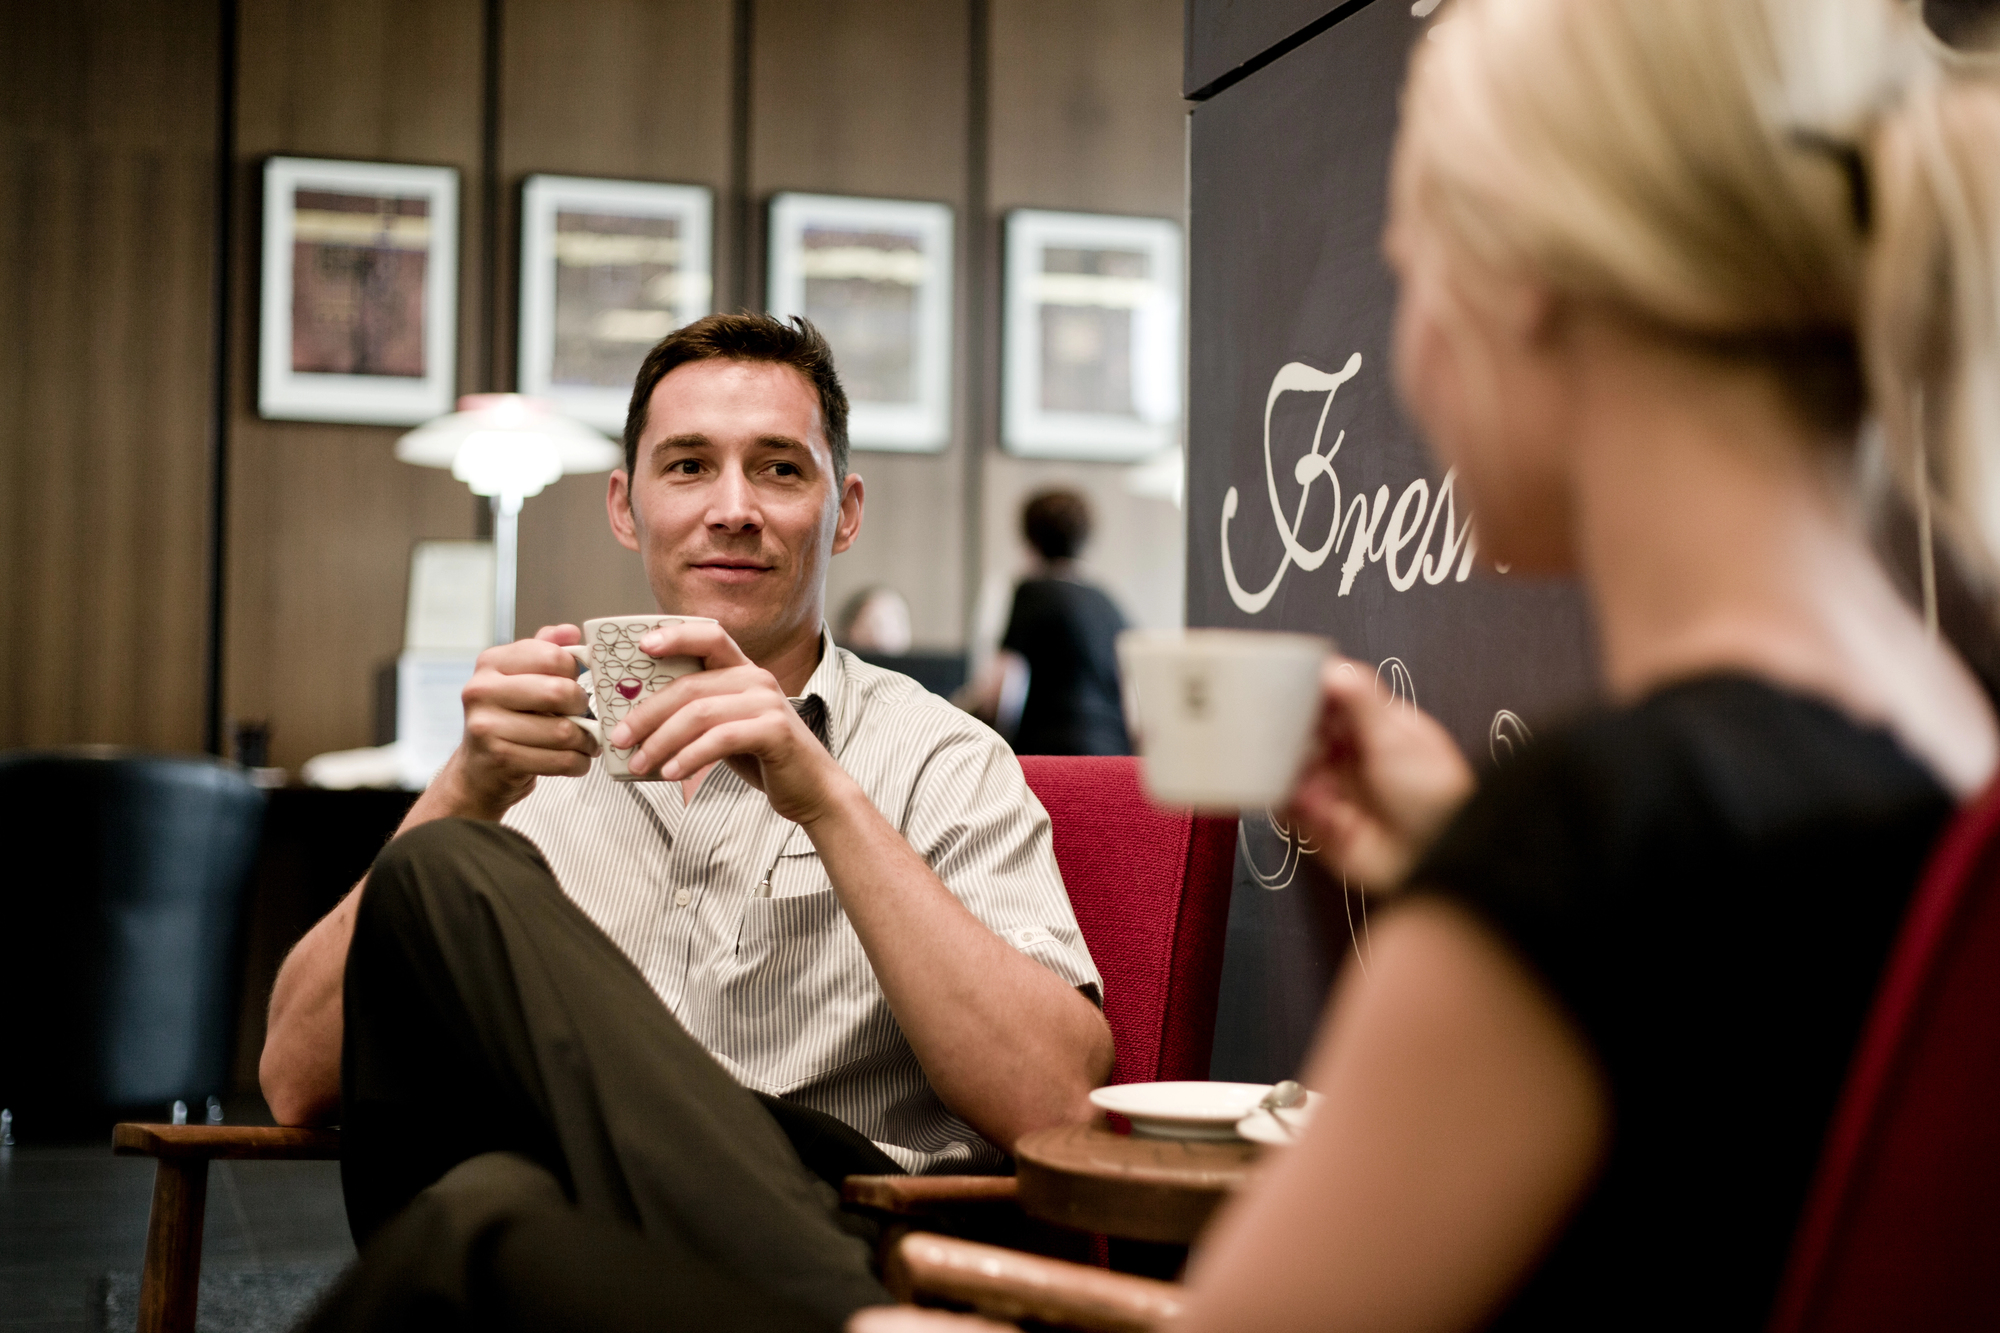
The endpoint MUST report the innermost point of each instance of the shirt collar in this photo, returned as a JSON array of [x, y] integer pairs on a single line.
[[821, 703]]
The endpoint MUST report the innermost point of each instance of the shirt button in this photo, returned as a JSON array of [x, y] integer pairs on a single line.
[[1027, 937], [681, 897]]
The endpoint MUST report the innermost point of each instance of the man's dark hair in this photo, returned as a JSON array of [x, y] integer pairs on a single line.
[[1056, 523], [745, 337]]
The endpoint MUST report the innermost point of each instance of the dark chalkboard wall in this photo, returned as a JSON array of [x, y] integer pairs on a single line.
[[1291, 312], [1226, 36]]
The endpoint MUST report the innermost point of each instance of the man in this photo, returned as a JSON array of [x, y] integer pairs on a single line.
[[841, 890]]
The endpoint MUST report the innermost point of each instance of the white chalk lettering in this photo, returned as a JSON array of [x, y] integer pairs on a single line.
[[1356, 522]]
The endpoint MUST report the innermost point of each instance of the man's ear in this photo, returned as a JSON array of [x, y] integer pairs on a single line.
[[849, 526], [618, 508]]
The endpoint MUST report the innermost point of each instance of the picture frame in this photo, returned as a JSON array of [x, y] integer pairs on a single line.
[[1091, 351], [358, 316], [876, 276], [608, 268]]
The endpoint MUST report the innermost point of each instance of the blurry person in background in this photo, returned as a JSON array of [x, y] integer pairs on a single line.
[[875, 620], [1058, 658], [1658, 263]]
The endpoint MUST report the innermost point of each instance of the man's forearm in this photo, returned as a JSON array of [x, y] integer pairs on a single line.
[[1009, 1046], [300, 1067]]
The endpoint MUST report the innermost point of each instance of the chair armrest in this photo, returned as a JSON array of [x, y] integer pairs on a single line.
[[267, 1143], [1006, 1284], [926, 1196]]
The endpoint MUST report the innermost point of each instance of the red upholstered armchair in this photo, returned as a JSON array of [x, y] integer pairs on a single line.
[[1903, 1227], [1151, 893]]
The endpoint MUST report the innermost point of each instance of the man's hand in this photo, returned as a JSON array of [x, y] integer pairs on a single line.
[[733, 711], [517, 728], [1383, 781]]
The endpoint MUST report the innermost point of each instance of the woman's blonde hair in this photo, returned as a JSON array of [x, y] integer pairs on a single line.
[[1803, 181]]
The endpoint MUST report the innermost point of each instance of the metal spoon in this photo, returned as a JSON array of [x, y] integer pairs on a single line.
[[1280, 1097]]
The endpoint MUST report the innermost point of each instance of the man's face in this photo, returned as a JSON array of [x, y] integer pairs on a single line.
[[733, 503]]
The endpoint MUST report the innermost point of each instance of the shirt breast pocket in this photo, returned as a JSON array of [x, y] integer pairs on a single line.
[[797, 873], [798, 999]]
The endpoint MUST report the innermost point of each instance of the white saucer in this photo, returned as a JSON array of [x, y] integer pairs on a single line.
[[1182, 1110], [1278, 1128]]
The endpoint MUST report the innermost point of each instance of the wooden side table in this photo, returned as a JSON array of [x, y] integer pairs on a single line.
[[1095, 1179]]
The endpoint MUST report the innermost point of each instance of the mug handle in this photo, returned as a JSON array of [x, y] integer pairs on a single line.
[[590, 726]]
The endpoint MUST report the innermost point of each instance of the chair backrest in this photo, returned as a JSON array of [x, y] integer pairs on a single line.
[[1902, 1229], [118, 927], [1151, 893]]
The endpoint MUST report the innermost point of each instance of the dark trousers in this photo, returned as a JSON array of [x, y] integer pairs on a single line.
[[529, 1138]]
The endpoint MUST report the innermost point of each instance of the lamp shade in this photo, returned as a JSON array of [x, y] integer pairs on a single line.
[[505, 444]]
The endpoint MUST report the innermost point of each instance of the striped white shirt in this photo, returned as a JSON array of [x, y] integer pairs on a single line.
[[776, 985]]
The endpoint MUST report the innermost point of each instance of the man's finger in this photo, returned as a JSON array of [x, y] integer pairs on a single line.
[[536, 761], [529, 657], [752, 736], [695, 638], [536, 730], [649, 713], [696, 720], [524, 694]]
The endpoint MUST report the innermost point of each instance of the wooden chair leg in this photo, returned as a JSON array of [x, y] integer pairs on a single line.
[[167, 1287]]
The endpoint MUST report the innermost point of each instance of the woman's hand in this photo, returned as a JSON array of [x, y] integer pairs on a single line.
[[1383, 780]]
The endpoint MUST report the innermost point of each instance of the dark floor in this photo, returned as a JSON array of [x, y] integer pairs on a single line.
[[73, 1216]]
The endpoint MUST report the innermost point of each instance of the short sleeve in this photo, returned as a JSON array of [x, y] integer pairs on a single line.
[[974, 819], [1525, 857]]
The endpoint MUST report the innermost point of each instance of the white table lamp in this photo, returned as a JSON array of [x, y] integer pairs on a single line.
[[508, 447]]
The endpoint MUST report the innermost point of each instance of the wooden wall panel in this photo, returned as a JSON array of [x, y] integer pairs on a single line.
[[1087, 116], [869, 97], [107, 135], [107, 123], [322, 517], [635, 89]]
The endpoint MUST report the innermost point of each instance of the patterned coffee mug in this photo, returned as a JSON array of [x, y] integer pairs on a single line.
[[621, 674]]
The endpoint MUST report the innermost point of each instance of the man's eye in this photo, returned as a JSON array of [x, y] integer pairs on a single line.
[[685, 466], [787, 469]]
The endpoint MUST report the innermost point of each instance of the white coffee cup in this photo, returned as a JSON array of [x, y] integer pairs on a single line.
[[1222, 718], [621, 674]]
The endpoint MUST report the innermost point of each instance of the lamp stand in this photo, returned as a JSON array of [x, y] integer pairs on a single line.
[[506, 547]]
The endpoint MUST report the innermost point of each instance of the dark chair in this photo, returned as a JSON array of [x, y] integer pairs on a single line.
[[940, 673], [118, 953]]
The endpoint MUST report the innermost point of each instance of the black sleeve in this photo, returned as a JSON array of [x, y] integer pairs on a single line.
[[1525, 856], [1018, 635]]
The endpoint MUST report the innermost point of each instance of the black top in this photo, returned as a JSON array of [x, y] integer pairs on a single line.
[[1710, 882], [1067, 632]]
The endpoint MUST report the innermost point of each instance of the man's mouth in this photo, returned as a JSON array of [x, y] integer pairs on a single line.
[[728, 570]]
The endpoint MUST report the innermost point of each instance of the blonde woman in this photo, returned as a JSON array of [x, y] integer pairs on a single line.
[[1646, 250]]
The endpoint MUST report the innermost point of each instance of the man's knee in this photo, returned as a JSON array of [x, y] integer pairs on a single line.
[[440, 868], [424, 1271]]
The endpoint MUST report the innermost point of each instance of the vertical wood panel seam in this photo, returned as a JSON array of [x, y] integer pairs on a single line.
[[978, 196], [741, 55], [489, 199], [219, 331]]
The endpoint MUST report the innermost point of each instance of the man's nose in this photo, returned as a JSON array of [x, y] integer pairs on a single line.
[[733, 503]]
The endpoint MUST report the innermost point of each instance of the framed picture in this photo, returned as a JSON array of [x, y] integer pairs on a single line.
[[608, 268], [359, 318], [875, 276], [1092, 352]]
